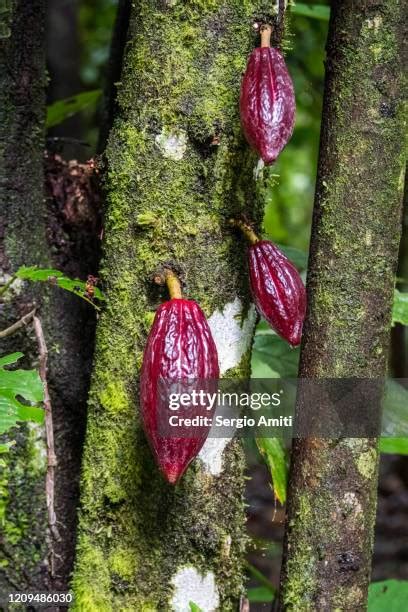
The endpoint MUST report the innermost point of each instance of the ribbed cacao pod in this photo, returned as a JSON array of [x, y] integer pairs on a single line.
[[179, 348], [267, 103], [277, 289]]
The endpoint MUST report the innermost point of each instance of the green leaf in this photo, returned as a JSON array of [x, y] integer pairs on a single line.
[[260, 595], [388, 596], [4, 448], [74, 285], [273, 351], [316, 11], [400, 308], [8, 359], [273, 453], [395, 404], [194, 607], [25, 384], [394, 446], [62, 109]]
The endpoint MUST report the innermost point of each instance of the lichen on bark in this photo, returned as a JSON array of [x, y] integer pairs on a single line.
[[177, 169], [23, 546], [355, 236], [29, 556]]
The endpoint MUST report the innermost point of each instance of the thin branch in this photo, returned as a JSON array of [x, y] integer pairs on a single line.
[[7, 285], [51, 457], [18, 324]]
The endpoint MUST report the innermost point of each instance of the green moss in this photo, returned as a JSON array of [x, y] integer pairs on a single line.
[[351, 279], [22, 515], [113, 397], [168, 202], [92, 583], [301, 579], [122, 563], [367, 463]]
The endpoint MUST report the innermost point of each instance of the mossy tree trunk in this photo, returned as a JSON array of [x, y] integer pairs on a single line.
[[23, 529], [354, 247], [177, 169], [29, 556]]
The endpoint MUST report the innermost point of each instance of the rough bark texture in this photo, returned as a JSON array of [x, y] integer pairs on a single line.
[[355, 236], [23, 547], [114, 71], [29, 557], [177, 169]]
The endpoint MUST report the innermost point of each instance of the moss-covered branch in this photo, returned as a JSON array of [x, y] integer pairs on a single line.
[[177, 170], [355, 237]]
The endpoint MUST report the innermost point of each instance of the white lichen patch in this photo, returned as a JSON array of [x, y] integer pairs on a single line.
[[351, 503], [367, 463], [232, 336], [375, 23], [15, 288], [211, 454], [173, 145], [190, 586], [258, 170], [37, 448], [368, 238]]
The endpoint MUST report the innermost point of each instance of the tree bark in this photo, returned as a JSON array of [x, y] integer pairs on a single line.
[[355, 236], [177, 169], [23, 546], [29, 556]]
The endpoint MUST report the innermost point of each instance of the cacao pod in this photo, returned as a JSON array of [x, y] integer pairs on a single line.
[[179, 348], [277, 289], [267, 103]]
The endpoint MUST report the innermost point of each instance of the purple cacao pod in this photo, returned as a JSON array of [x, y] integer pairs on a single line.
[[267, 103], [277, 289], [179, 348]]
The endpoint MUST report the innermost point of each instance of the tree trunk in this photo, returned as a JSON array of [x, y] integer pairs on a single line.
[[354, 247], [177, 169], [23, 546], [29, 555]]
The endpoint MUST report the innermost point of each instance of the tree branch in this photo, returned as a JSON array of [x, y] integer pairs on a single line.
[[51, 457], [353, 255], [17, 325]]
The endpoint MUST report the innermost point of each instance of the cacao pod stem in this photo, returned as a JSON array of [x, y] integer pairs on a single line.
[[170, 278], [246, 229], [266, 32]]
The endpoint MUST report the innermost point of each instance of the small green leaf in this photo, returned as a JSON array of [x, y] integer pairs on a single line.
[[260, 595], [274, 455], [388, 596], [276, 353], [8, 359], [33, 273], [62, 109], [14, 384], [194, 607], [395, 404], [25, 383], [394, 446], [4, 448], [74, 285], [400, 308], [316, 11]]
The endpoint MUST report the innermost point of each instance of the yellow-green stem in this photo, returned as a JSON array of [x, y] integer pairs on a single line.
[[173, 285], [246, 230]]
